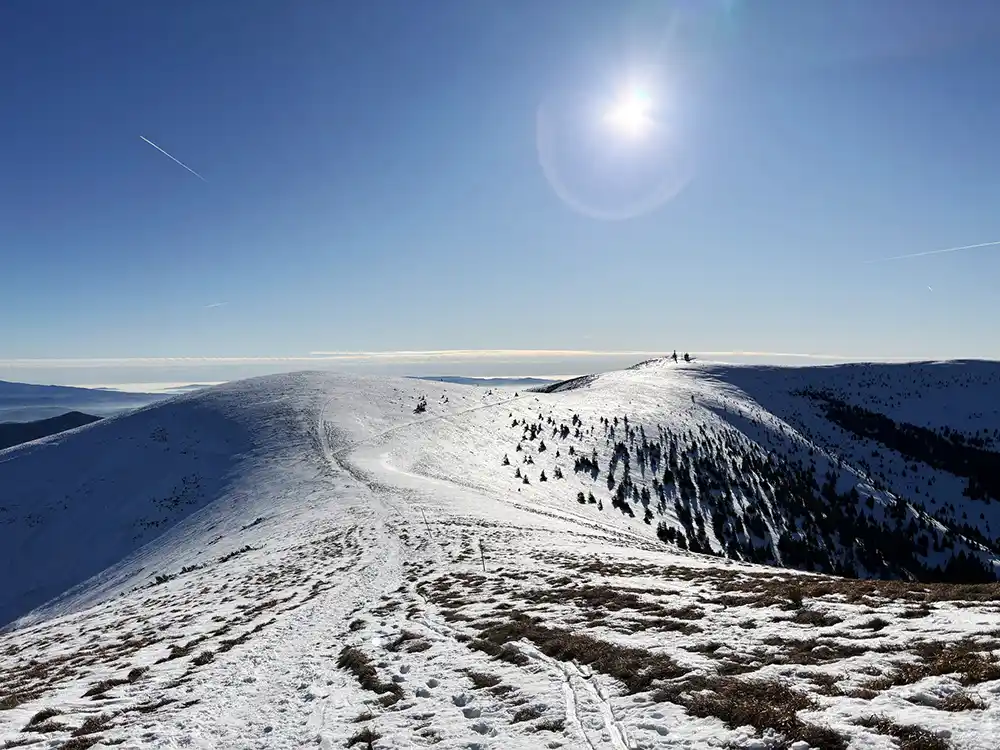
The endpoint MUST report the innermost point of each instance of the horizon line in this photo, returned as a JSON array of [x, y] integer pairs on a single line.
[[427, 356]]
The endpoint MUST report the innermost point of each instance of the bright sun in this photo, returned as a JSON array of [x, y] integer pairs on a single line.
[[630, 114]]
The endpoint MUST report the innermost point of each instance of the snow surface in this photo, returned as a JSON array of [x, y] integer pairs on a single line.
[[189, 575]]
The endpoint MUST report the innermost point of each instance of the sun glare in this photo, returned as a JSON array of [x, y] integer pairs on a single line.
[[630, 114]]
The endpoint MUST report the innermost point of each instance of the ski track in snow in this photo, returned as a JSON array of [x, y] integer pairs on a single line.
[[343, 521]]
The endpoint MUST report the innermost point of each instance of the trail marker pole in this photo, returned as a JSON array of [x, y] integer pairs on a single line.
[[482, 554], [426, 522]]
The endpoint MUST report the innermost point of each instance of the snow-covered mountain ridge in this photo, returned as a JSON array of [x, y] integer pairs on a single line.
[[316, 560]]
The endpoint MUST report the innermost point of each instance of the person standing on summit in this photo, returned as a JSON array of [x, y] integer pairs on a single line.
[[675, 355]]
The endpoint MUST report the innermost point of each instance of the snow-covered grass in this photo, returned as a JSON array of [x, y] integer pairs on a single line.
[[331, 569]]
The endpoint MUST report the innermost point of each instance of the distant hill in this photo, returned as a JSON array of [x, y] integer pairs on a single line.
[[26, 402], [15, 433], [460, 380]]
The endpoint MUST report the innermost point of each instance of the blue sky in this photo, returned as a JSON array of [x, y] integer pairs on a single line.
[[375, 183]]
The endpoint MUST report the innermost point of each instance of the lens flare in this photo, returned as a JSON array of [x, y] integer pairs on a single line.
[[630, 116], [613, 159]]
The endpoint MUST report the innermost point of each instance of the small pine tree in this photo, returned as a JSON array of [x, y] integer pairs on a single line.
[[518, 447], [580, 498], [543, 478], [506, 461], [541, 447], [591, 499], [517, 472], [524, 479]]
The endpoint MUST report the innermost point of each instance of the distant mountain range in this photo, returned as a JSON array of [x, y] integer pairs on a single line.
[[25, 402], [15, 433]]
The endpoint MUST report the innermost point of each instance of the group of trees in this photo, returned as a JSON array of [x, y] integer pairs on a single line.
[[730, 496], [947, 450]]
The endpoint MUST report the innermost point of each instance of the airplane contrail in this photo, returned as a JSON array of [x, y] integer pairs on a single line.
[[935, 252], [176, 160]]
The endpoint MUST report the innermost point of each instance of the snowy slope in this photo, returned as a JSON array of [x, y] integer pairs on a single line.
[[15, 433], [307, 561]]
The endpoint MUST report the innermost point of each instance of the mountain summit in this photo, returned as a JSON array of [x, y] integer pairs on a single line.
[[675, 554]]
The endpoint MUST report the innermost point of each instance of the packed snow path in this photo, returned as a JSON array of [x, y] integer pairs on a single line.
[[371, 577]]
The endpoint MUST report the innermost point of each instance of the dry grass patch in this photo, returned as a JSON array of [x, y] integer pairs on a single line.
[[687, 612], [402, 639], [915, 613], [910, 737], [81, 743], [528, 713], [550, 725], [764, 705], [971, 661], [152, 706], [93, 724], [707, 647], [205, 657], [15, 699], [483, 680], [635, 668], [962, 701], [815, 618], [764, 589], [811, 651], [228, 643], [44, 715], [104, 686], [46, 727], [876, 624], [136, 673], [507, 652], [357, 663], [366, 738]]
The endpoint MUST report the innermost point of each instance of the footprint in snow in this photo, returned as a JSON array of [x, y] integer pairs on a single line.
[[481, 727], [462, 699], [433, 682], [660, 729]]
